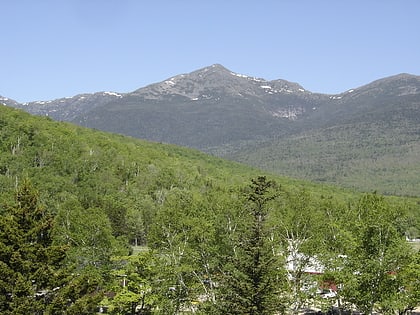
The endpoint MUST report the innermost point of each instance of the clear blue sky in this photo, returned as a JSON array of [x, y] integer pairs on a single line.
[[58, 48]]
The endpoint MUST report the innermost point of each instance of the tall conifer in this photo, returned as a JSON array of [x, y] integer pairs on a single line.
[[252, 275], [33, 279]]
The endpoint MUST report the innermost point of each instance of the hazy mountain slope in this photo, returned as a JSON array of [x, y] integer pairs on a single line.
[[368, 139], [385, 99]]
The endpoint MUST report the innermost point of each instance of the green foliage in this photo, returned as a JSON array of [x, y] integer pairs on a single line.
[[138, 280], [407, 280], [379, 253], [214, 245], [80, 294], [33, 279], [298, 227], [29, 261], [123, 177], [252, 275], [87, 233]]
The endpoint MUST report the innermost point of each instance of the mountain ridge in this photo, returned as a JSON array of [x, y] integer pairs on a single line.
[[251, 119], [282, 82]]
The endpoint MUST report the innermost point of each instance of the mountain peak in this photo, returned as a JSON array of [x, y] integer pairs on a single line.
[[396, 85], [196, 84], [401, 78], [221, 70], [215, 82], [218, 67], [210, 70]]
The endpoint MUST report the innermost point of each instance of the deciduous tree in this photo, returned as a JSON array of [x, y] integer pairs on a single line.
[[379, 254]]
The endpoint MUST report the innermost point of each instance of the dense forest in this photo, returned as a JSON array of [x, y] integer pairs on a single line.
[[92, 221], [363, 156]]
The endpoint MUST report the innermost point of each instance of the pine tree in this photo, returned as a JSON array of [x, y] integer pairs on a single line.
[[33, 279], [252, 274]]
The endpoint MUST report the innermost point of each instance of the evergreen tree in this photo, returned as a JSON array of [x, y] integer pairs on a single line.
[[32, 276], [252, 274]]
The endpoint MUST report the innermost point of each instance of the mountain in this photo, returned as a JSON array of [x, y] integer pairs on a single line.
[[204, 109], [8, 102], [378, 100], [68, 108], [364, 138], [367, 139]]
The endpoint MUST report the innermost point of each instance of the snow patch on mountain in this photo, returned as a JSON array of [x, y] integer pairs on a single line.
[[239, 75], [290, 113], [42, 102], [244, 76], [113, 94], [170, 81]]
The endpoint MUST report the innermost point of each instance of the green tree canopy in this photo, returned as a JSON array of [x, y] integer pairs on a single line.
[[252, 275], [33, 278]]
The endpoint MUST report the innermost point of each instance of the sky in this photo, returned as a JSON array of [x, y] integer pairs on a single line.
[[60, 48]]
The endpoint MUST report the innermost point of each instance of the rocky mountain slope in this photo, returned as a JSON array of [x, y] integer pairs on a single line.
[[276, 125], [203, 109]]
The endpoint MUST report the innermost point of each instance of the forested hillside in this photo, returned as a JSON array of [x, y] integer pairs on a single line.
[[93, 219], [363, 156], [366, 139]]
